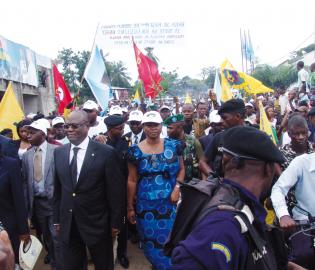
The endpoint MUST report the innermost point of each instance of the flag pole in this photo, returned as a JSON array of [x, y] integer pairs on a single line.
[[251, 60], [242, 49], [245, 43], [82, 78]]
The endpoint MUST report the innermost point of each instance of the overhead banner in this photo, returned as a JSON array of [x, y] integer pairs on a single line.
[[144, 34], [17, 63]]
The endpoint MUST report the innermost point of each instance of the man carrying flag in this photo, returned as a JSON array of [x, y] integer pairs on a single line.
[[61, 91], [148, 73]]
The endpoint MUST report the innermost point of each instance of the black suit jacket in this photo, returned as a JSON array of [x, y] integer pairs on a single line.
[[13, 212], [8, 148], [128, 136], [96, 201]]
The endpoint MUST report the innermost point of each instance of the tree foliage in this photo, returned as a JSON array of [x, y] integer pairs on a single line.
[[73, 65], [274, 77]]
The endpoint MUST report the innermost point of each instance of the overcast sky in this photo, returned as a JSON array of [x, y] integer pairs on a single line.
[[211, 32]]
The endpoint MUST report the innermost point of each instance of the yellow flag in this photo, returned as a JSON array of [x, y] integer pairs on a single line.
[[226, 93], [188, 99], [265, 125], [10, 111], [241, 81]]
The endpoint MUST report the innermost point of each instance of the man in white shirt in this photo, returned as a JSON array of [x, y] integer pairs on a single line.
[[283, 100], [97, 126], [299, 174], [303, 76]]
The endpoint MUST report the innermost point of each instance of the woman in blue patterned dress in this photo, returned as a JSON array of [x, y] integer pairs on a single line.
[[154, 166]]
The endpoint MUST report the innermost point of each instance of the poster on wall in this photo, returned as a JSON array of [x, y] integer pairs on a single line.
[[17, 63]]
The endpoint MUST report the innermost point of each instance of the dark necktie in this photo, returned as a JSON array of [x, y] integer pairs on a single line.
[[74, 166], [136, 139]]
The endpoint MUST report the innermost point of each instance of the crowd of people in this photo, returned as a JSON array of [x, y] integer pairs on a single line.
[[193, 185]]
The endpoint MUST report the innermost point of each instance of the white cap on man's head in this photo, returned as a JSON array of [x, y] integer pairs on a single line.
[[115, 110], [136, 116], [249, 105], [90, 105], [165, 107], [39, 125], [214, 117], [57, 120], [152, 117]]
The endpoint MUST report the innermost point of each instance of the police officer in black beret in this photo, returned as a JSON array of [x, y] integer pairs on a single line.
[[115, 129], [228, 239], [232, 114]]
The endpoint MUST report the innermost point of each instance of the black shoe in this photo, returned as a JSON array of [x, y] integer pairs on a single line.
[[47, 259], [123, 261]]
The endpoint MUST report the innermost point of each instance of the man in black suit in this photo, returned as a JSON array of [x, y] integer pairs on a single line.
[[88, 201], [136, 134], [8, 148]]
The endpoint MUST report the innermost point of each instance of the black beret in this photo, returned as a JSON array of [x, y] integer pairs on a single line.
[[252, 143], [311, 112], [232, 105], [113, 120]]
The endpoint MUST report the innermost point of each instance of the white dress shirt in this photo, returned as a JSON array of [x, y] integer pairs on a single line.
[[134, 135], [301, 172], [81, 154]]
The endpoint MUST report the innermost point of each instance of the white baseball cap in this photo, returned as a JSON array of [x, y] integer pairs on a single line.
[[115, 110], [135, 115], [165, 107], [152, 117], [57, 120], [90, 105], [214, 117], [249, 105], [124, 109], [39, 125]]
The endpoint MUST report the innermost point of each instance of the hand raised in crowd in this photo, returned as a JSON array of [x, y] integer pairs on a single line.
[[6, 252], [101, 139], [287, 223]]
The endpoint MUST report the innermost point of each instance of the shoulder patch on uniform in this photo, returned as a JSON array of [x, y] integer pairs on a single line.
[[223, 249]]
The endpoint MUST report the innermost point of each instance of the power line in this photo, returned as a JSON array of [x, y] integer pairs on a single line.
[[297, 47]]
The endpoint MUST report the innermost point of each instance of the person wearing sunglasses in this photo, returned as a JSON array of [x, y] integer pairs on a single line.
[[88, 201]]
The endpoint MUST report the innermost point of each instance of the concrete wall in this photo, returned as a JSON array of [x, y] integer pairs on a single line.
[[32, 99]]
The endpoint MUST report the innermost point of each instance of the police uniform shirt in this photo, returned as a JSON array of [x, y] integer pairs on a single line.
[[217, 241]]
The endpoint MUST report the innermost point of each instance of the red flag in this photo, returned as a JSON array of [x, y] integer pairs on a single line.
[[62, 92], [148, 73]]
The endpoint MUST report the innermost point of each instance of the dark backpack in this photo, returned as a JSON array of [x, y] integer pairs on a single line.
[[199, 199]]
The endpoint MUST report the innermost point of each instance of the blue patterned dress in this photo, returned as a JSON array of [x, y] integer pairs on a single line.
[[155, 213]]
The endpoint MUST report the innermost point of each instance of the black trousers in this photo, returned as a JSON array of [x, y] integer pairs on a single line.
[[74, 256], [122, 240]]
